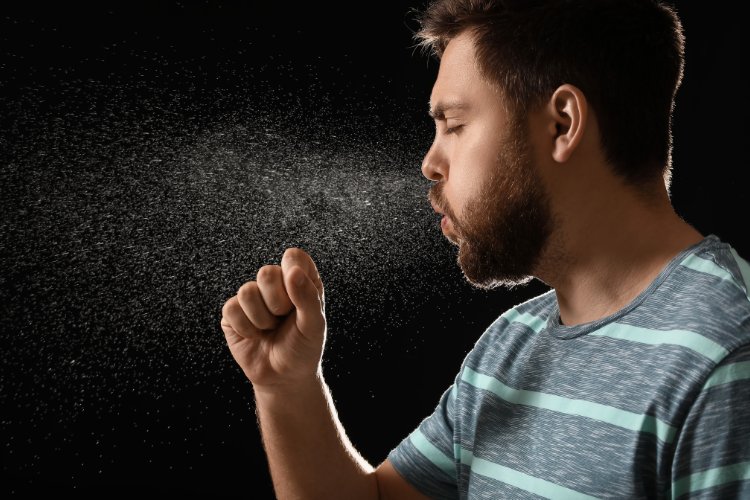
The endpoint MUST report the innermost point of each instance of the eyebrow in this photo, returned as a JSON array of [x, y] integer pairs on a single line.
[[438, 111]]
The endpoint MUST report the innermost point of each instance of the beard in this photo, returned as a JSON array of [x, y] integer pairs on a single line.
[[504, 229]]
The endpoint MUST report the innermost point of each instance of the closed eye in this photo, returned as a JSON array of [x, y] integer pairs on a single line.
[[453, 129]]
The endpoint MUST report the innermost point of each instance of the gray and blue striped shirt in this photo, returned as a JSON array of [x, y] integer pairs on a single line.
[[650, 402]]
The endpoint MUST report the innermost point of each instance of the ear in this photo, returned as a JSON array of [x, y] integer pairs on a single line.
[[567, 112]]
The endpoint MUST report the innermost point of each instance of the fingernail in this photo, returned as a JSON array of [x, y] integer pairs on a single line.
[[299, 280]]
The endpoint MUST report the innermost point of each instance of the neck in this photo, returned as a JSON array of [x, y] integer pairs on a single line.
[[596, 271]]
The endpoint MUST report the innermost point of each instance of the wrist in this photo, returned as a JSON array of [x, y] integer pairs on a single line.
[[291, 390]]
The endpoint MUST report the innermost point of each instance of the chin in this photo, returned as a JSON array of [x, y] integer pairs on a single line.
[[493, 282], [489, 270]]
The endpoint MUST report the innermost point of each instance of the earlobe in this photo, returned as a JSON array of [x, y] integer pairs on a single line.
[[568, 109]]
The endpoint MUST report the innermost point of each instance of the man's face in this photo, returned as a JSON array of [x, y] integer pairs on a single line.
[[495, 207]]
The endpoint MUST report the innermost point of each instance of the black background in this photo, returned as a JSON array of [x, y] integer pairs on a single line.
[[169, 424]]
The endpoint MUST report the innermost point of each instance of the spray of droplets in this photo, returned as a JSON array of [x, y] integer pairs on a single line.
[[130, 214], [141, 187]]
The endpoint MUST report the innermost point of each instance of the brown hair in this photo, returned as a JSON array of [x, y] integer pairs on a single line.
[[626, 56]]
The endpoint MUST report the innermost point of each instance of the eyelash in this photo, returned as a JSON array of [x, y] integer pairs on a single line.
[[452, 130]]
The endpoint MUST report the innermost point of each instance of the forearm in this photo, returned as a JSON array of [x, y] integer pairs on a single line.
[[308, 452]]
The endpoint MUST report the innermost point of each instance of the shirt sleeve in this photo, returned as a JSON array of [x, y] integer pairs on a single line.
[[425, 458], [712, 455]]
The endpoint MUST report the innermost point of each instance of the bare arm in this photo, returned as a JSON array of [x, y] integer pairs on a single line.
[[275, 328], [308, 452]]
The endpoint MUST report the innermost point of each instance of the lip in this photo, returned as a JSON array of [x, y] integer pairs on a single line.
[[445, 221], [437, 209]]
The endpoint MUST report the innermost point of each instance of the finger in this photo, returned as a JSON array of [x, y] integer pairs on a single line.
[[254, 308], [231, 336], [271, 285], [298, 257], [310, 317], [233, 318]]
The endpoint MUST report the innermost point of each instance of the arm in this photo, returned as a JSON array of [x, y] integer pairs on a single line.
[[275, 329], [308, 451], [712, 457], [310, 455]]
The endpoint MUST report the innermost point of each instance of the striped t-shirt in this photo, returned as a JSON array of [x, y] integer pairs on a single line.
[[650, 402]]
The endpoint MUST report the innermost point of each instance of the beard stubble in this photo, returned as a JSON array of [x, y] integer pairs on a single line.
[[505, 228]]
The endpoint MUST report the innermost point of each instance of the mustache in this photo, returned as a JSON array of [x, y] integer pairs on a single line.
[[436, 196]]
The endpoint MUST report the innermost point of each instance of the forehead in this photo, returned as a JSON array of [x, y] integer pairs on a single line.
[[459, 82], [459, 54]]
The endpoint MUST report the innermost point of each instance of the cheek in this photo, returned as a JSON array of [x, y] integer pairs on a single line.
[[463, 189], [472, 169]]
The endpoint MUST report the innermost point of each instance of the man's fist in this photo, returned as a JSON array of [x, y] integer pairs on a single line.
[[275, 326]]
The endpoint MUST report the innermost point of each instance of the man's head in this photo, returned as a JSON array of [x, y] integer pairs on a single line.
[[619, 60], [496, 209], [626, 56]]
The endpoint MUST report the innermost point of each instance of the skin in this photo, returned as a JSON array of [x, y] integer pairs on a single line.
[[598, 242], [496, 210]]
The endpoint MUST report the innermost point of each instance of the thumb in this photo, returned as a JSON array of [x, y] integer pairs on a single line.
[[296, 256], [303, 293]]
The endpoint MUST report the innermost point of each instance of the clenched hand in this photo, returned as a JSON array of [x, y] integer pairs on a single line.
[[275, 326]]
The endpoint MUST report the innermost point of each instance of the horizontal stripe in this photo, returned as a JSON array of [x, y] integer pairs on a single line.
[[709, 267], [728, 374], [744, 270], [596, 411], [534, 322], [518, 479], [706, 266], [683, 338], [432, 453], [711, 478]]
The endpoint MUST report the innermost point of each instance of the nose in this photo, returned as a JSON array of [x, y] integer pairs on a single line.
[[434, 165]]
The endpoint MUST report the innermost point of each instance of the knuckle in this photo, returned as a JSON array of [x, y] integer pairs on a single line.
[[229, 306], [266, 272], [247, 291]]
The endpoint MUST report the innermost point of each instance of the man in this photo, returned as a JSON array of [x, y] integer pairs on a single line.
[[551, 159]]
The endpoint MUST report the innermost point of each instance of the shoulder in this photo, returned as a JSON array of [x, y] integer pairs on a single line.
[[718, 262], [708, 293]]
